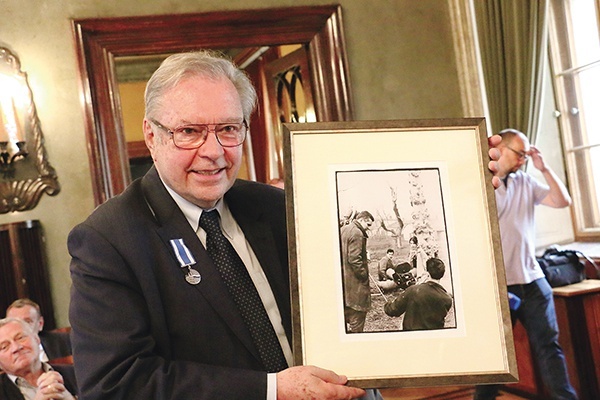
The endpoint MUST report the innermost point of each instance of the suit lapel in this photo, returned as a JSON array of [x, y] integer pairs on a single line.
[[11, 391], [173, 225]]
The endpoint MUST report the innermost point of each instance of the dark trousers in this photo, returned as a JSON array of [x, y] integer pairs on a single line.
[[538, 316], [355, 320]]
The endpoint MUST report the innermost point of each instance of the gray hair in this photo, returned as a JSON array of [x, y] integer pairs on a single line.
[[26, 327], [205, 63]]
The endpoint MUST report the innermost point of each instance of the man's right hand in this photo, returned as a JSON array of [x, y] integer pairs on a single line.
[[494, 141], [309, 382], [51, 387]]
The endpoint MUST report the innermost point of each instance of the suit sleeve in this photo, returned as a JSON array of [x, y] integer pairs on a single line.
[[396, 307], [121, 347], [56, 344]]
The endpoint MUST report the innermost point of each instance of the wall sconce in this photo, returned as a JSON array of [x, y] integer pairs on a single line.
[[25, 173], [11, 133]]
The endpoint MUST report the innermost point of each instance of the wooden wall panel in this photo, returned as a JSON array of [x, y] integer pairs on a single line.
[[23, 268]]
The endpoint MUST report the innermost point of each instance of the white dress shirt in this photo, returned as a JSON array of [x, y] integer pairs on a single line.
[[234, 234], [27, 390]]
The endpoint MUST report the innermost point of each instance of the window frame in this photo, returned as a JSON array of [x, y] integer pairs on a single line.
[[571, 122]]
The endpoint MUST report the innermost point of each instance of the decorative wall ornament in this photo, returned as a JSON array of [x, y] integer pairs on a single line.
[[25, 173]]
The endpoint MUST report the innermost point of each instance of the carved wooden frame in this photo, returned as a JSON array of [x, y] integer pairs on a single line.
[[100, 40]]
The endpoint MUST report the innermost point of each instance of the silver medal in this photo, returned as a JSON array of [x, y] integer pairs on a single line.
[[186, 259], [193, 277]]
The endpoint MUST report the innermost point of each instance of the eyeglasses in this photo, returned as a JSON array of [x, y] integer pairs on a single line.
[[188, 137], [521, 154]]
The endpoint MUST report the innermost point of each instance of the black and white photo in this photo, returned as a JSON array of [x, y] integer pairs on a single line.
[[408, 232], [393, 241]]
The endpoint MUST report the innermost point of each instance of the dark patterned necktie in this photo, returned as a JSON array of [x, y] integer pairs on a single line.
[[244, 293]]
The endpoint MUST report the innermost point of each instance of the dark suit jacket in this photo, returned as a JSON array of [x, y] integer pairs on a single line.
[[56, 344], [426, 306], [10, 391], [139, 330]]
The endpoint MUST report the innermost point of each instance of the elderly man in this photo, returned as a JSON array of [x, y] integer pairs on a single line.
[[181, 283], [54, 345], [26, 377]]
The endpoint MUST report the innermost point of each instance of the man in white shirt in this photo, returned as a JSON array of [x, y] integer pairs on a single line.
[[152, 312], [516, 199]]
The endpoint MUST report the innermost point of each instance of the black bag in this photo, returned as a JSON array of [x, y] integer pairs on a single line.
[[564, 267]]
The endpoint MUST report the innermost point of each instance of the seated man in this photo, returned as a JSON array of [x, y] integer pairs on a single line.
[[384, 264], [54, 345], [26, 377]]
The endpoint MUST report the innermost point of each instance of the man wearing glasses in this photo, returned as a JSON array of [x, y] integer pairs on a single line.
[[516, 199], [181, 283]]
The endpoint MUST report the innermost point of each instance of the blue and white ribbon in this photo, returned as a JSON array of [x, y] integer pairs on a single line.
[[183, 254], [186, 260]]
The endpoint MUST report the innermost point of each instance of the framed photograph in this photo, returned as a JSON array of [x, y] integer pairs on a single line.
[[396, 264]]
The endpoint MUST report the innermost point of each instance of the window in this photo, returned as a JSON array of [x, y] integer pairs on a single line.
[[575, 60]]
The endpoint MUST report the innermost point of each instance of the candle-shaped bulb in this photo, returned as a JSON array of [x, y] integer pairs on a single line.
[[3, 132], [20, 137]]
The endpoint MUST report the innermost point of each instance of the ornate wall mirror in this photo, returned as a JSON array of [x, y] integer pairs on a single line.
[[250, 35], [25, 172]]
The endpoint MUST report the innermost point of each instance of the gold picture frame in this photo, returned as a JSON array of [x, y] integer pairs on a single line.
[[392, 169]]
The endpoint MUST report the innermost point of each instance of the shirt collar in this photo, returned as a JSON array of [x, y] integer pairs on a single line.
[[505, 179], [43, 355], [45, 368], [192, 212], [359, 226]]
